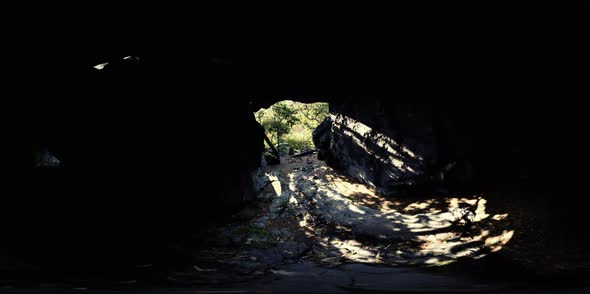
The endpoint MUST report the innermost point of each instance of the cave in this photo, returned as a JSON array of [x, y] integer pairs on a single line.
[[122, 160]]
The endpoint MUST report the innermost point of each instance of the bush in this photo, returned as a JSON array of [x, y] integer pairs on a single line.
[[300, 141]]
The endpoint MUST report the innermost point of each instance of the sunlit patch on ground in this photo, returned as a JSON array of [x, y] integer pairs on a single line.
[[350, 221], [275, 183], [308, 211]]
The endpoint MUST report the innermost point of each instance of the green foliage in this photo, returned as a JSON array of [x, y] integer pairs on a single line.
[[301, 140], [292, 122], [279, 120], [285, 113], [313, 114]]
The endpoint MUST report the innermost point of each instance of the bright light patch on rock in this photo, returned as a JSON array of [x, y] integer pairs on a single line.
[[101, 66]]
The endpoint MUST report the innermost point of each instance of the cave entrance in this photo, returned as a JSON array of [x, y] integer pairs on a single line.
[[289, 126], [368, 195]]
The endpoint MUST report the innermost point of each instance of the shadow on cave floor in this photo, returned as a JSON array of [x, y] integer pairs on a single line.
[[313, 225], [312, 221]]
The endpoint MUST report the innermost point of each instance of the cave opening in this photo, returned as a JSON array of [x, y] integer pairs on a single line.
[[366, 192], [289, 126], [151, 170]]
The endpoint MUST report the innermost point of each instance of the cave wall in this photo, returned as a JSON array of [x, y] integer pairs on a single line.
[[399, 144], [140, 142], [379, 143], [143, 150], [441, 136]]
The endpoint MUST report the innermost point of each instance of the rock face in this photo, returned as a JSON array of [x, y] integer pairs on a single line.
[[415, 144], [322, 138], [142, 158], [379, 150]]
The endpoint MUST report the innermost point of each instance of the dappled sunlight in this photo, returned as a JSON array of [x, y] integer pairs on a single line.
[[393, 153], [359, 193], [355, 208], [350, 221], [353, 250], [480, 211], [496, 243], [275, 183], [452, 246], [418, 205], [481, 236], [458, 202]]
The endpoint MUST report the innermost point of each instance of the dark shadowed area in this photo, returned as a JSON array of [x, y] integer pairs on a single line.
[[452, 156]]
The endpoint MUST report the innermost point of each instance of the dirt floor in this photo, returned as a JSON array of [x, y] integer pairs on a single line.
[[309, 218], [313, 229]]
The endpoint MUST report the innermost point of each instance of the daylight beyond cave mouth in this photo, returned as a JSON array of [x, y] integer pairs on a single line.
[[289, 125]]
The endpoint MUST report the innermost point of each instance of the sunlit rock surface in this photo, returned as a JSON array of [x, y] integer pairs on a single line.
[[379, 150]]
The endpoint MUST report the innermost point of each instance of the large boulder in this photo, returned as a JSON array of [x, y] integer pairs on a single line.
[[384, 151], [322, 139]]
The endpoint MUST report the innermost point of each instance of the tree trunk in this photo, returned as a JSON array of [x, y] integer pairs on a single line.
[[272, 147]]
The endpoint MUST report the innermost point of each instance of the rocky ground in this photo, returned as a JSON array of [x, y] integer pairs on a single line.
[[314, 229], [310, 214]]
